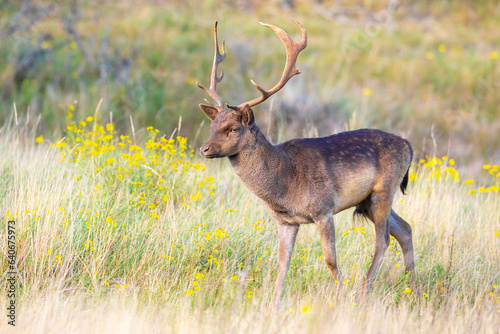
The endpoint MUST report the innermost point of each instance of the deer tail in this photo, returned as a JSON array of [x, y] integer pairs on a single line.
[[404, 182]]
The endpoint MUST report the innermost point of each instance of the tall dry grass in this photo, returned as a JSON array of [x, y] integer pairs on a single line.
[[100, 253]]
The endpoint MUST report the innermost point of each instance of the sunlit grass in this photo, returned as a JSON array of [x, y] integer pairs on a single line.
[[433, 64], [112, 227]]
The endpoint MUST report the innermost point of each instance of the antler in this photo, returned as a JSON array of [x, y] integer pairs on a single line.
[[292, 51], [214, 80]]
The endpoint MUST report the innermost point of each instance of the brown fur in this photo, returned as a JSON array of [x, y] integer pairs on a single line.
[[309, 180], [305, 181]]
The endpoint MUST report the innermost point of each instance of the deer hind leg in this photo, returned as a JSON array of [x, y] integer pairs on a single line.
[[327, 233], [401, 231], [286, 241], [377, 207]]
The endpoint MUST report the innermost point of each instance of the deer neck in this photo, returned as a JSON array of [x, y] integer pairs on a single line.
[[264, 169]]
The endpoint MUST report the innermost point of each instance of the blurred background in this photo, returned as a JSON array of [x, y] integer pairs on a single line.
[[426, 70]]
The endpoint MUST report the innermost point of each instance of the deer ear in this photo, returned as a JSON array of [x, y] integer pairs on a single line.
[[247, 117], [210, 111]]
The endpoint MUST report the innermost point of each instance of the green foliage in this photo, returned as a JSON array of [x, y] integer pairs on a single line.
[[136, 227], [419, 73]]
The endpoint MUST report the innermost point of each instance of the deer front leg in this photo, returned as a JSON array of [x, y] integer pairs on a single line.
[[327, 234], [286, 240]]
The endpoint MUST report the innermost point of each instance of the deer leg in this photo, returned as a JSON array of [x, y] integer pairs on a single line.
[[327, 233], [379, 212], [286, 240], [401, 231]]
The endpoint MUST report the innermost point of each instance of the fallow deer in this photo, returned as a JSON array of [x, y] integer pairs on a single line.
[[305, 181]]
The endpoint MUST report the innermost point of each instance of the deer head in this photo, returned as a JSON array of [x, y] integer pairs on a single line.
[[231, 128]]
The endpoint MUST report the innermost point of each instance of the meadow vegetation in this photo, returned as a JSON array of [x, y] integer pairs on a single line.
[[119, 233], [122, 227], [427, 67]]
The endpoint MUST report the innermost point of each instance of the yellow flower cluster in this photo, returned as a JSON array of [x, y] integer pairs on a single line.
[[439, 168], [207, 237], [493, 293], [304, 254], [359, 229], [492, 170], [221, 233], [89, 245], [158, 171], [258, 224], [198, 277], [442, 168], [393, 247]]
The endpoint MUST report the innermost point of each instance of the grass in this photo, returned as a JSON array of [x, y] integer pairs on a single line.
[[121, 227], [429, 67], [138, 234]]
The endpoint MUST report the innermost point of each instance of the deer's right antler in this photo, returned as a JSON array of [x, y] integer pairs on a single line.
[[214, 80], [292, 52]]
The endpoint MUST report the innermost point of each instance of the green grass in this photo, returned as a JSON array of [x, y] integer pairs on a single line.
[[434, 65], [108, 242], [118, 225]]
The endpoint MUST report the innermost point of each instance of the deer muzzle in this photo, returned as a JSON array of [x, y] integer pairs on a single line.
[[207, 151]]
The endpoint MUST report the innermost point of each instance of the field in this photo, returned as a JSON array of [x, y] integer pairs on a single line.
[[122, 227]]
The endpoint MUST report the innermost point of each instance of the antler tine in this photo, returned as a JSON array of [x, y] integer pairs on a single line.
[[292, 51], [214, 79]]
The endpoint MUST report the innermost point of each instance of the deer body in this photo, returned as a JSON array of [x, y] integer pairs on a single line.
[[305, 181]]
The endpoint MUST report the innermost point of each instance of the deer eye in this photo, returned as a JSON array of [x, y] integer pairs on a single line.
[[235, 129]]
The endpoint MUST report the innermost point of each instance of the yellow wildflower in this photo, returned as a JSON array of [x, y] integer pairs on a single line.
[[412, 176]]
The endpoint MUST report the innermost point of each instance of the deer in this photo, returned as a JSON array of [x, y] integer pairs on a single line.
[[308, 181]]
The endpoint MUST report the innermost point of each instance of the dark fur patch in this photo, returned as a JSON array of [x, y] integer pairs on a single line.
[[362, 209], [404, 183]]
